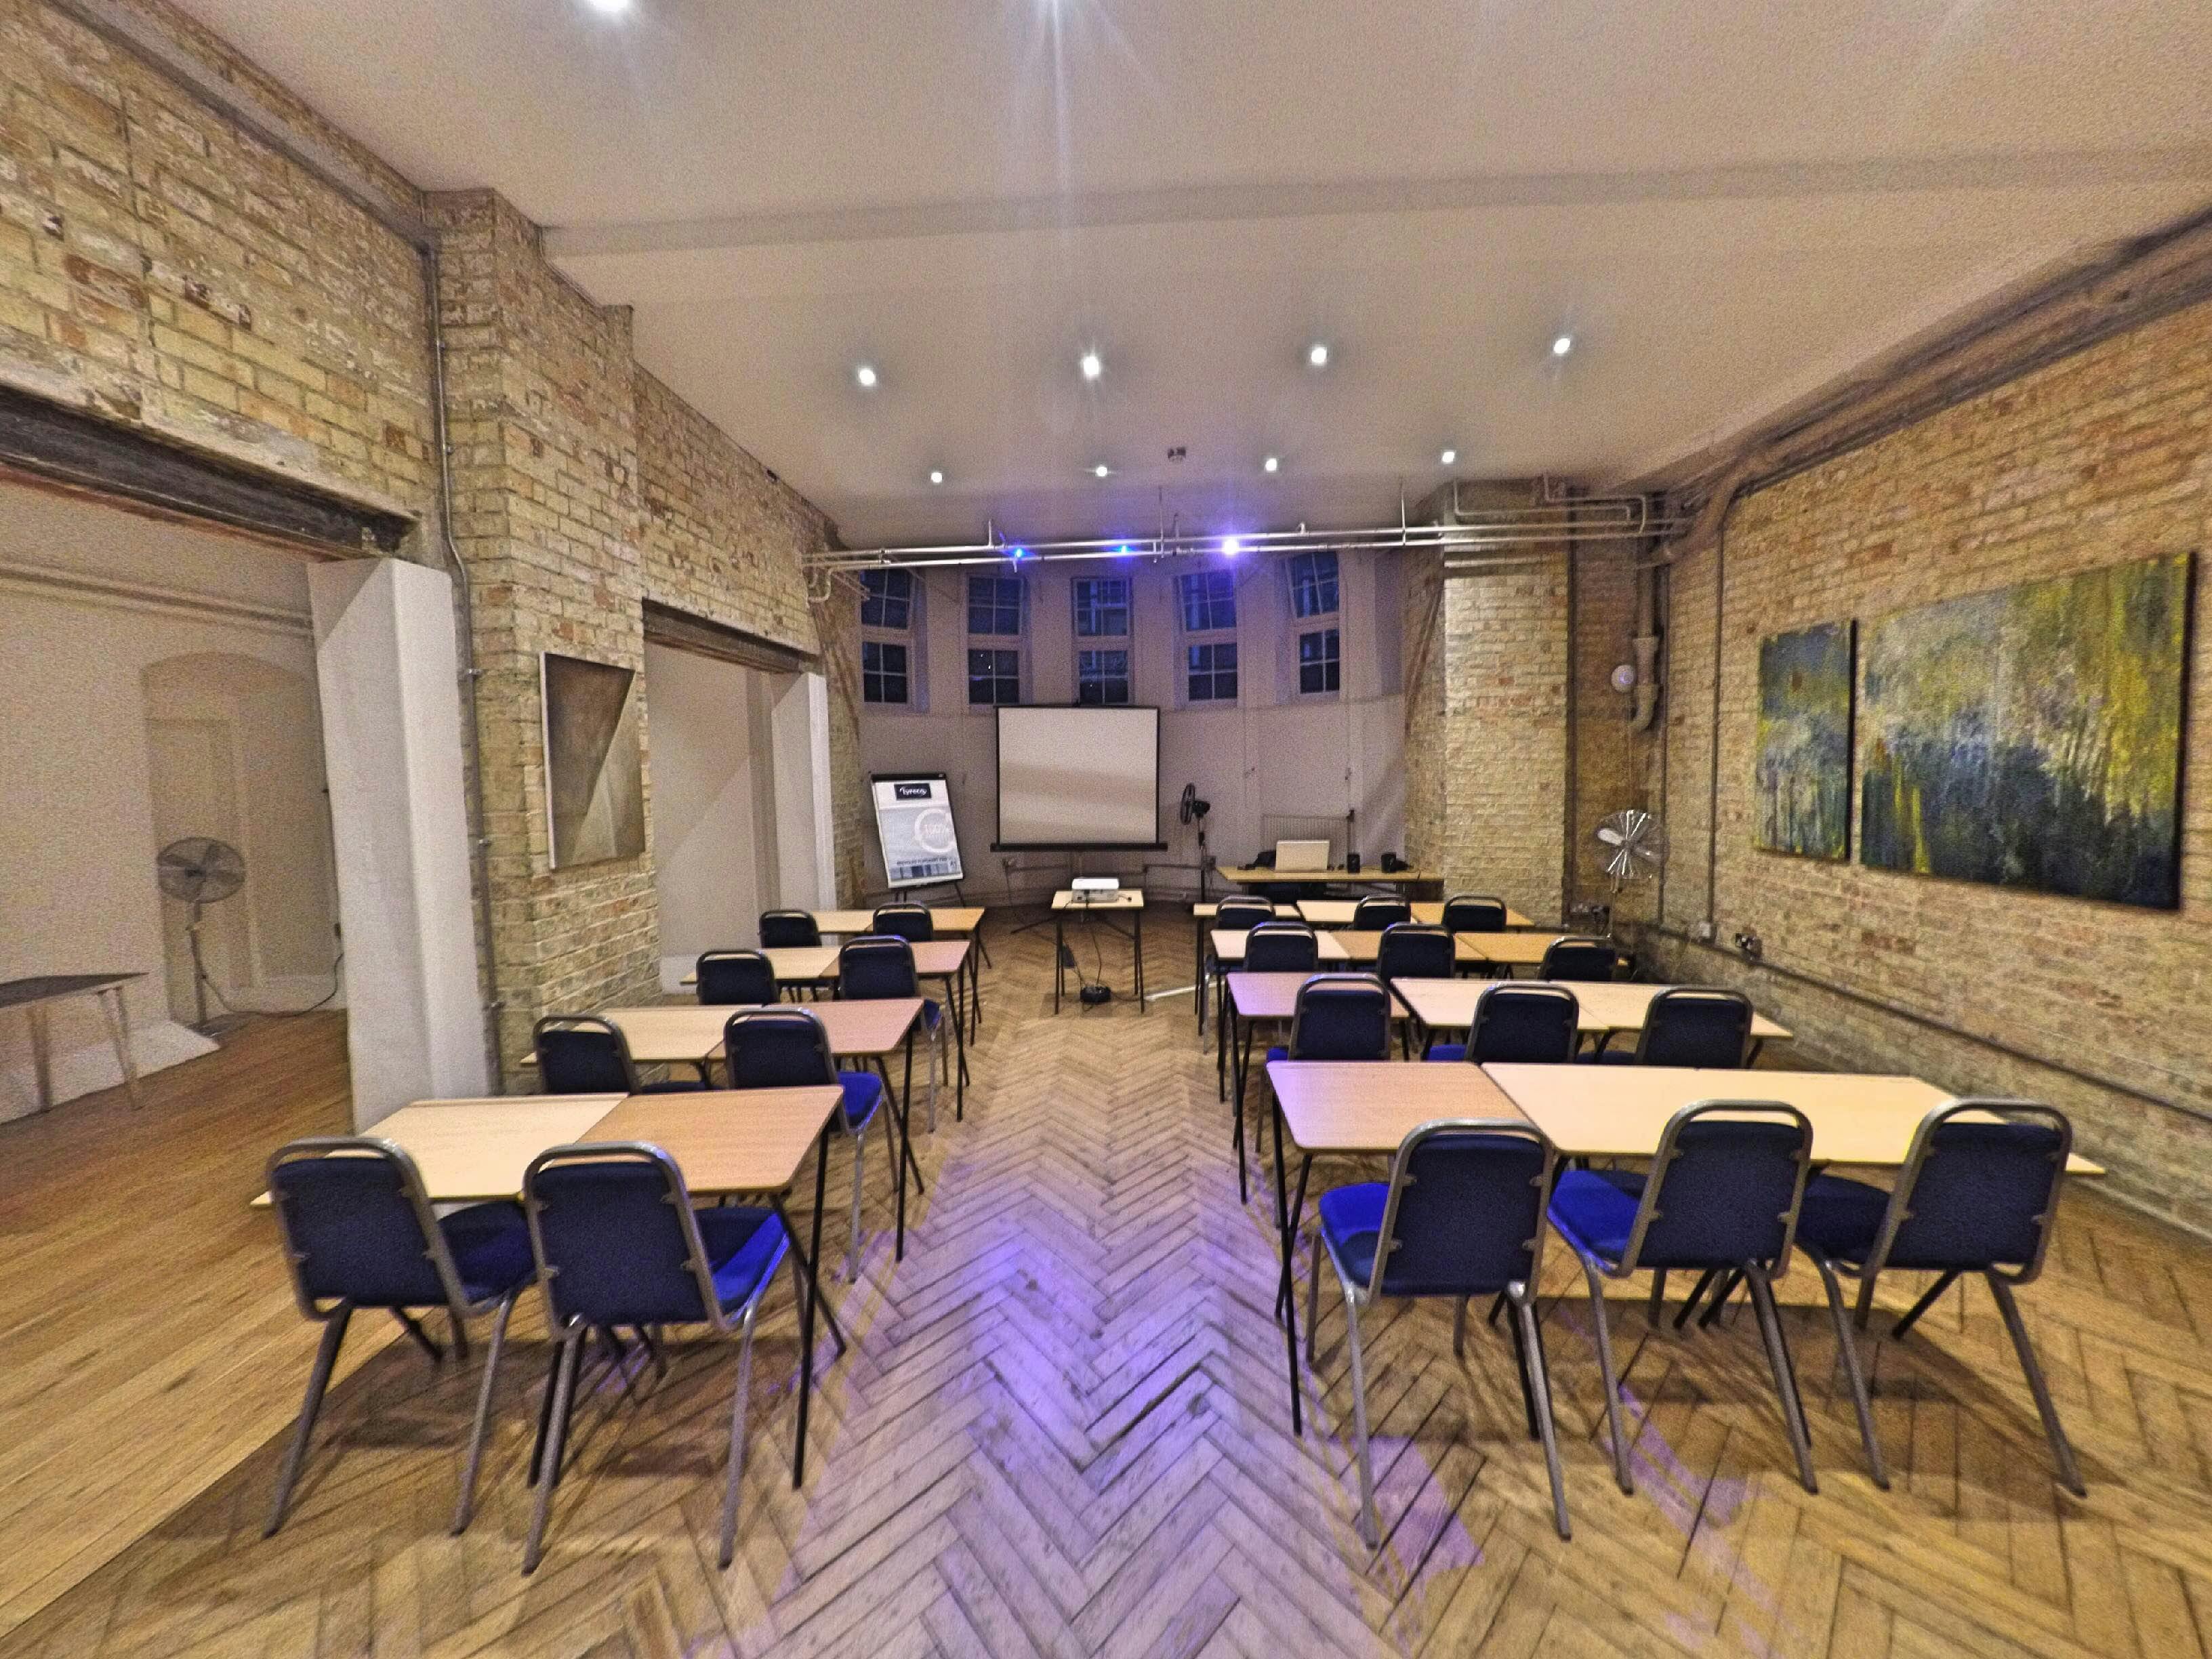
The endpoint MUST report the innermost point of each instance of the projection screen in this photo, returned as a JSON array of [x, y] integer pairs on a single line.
[[1078, 778]]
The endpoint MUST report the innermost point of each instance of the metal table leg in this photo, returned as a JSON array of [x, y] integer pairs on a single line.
[[42, 1069], [807, 1312], [1137, 949], [1059, 959], [118, 1033], [905, 1147], [1283, 1286]]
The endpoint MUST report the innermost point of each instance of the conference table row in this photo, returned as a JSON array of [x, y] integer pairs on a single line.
[[1347, 1108]]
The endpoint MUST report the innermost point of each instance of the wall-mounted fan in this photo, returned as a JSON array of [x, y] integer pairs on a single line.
[[199, 872], [1635, 844]]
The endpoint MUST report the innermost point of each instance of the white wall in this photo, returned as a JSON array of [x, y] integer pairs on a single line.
[[99, 610], [1274, 765]]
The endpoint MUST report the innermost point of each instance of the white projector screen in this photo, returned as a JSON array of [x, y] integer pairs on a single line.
[[1071, 779]]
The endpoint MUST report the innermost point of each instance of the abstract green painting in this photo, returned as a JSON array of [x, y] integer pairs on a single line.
[[2032, 735], [1801, 782]]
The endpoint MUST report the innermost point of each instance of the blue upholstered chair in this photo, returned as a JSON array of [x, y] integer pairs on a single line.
[[876, 966], [1281, 946], [1236, 914], [1336, 1016], [585, 1054], [1723, 1195], [1577, 960], [1689, 1025], [358, 1232], [1473, 913], [1975, 1196], [1378, 911], [618, 1243], [735, 979], [1409, 950], [788, 1049], [1461, 1216], [911, 922], [1532, 1024], [785, 930]]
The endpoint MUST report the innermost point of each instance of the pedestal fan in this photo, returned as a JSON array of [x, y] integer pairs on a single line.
[[1634, 847], [199, 872]]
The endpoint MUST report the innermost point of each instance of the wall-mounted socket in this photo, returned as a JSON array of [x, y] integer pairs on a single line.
[[1750, 945], [1703, 931]]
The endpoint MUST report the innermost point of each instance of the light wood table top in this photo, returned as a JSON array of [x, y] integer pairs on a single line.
[[1229, 946], [1448, 1005], [1258, 876], [1430, 913], [1287, 911], [1619, 1111], [1275, 996], [1371, 1105], [944, 918], [683, 1035], [1521, 950], [470, 1151], [741, 1140], [1122, 898], [935, 957], [793, 964]]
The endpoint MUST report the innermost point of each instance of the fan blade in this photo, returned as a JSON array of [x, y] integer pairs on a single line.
[[1609, 835]]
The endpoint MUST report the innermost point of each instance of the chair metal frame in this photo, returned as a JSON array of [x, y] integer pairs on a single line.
[[1535, 1384], [733, 953], [938, 1059], [1544, 967], [1757, 1275], [792, 1015], [338, 1315], [1684, 996], [1999, 1280], [570, 1333]]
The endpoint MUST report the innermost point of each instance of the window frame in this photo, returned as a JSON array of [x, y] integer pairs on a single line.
[[997, 677], [882, 674], [1090, 612], [904, 601], [1304, 573], [1104, 677], [1228, 581], [1213, 673], [1329, 660], [996, 606]]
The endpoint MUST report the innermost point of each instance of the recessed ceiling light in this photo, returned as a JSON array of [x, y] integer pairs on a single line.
[[936, 476], [866, 375], [1563, 346], [1101, 470], [1449, 458], [1317, 353], [1273, 463], [1091, 366]]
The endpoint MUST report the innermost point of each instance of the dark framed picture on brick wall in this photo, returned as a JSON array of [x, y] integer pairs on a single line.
[[2032, 735], [1801, 765]]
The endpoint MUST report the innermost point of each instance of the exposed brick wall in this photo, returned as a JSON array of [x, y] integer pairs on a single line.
[[2103, 456], [722, 538], [837, 617], [1612, 761], [1422, 594], [166, 271]]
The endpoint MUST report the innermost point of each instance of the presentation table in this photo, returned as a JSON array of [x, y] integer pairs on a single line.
[[1604, 1011], [873, 1029], [1263, 876], [1122, 900], [1430, 913], [32, 995]]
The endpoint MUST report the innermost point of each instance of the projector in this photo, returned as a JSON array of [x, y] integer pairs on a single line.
[[1098, 884]]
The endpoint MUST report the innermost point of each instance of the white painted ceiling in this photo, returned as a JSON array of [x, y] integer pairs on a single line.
[[1728, 203]]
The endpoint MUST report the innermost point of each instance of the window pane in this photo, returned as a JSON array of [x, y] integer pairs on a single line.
[[883, 672], [1313, 584], [1319, 670], [995, 605], [889, 597], [994, 676], [1101, 606], [1102, 676], [1209, 601], [1213, 673]]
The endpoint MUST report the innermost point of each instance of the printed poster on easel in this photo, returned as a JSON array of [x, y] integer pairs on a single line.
[[915, 829]]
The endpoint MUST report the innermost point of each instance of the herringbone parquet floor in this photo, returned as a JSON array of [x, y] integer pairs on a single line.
[[1062, 1430]]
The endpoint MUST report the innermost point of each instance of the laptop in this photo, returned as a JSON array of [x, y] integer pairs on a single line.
[[1301, 855]]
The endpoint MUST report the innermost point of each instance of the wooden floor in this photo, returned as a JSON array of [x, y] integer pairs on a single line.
[[1062, 1429]]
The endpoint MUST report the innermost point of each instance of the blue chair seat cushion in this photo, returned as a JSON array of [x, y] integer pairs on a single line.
[[490, 1244], [932, 1012], [864, 1092], [1279, 1052], [1450, 1052], [1840, 1218], [744, 1243], [1596, 1208], [1609, 1057], [1351, 1224]]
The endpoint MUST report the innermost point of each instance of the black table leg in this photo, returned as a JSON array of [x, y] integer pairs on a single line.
[[1297, 1210], [1282, 1284], [1059, 959], [1198, 970], [1221, 1036], [1138, 949], [960, 1074], [806, 1313], [905, 1147], [806, 1268]]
